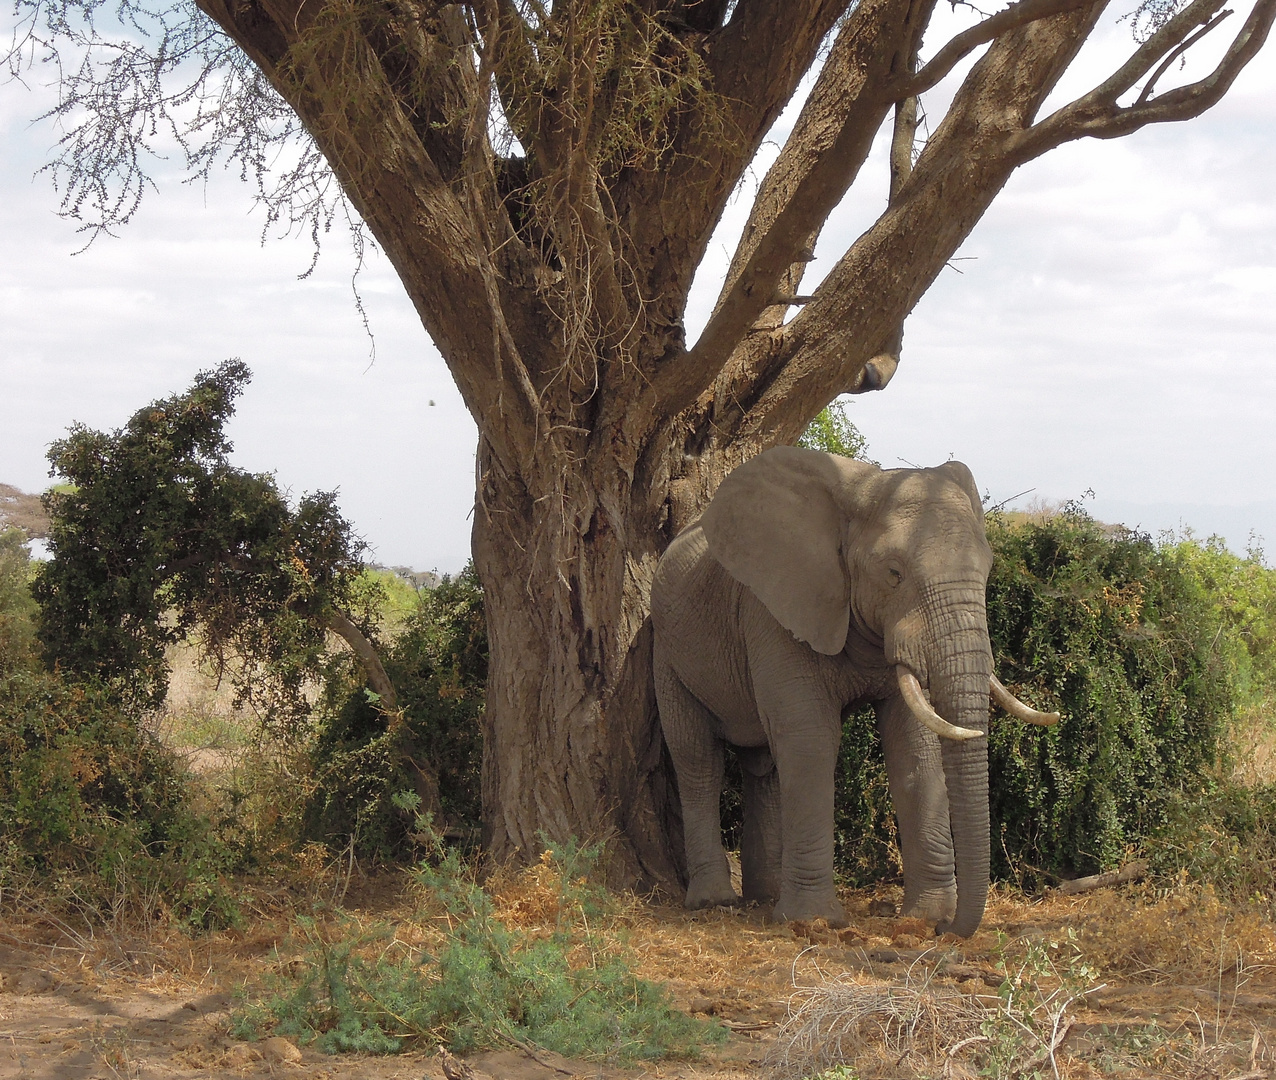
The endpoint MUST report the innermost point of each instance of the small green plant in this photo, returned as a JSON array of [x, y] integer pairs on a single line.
[[1021, 1035], [486, 984]]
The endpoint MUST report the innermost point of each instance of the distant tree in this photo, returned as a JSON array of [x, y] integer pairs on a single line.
[[545, 178]]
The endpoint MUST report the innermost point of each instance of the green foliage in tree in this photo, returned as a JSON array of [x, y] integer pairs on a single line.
[[833, 432], [159, 536], [363, 759], [17, 607], [1242, 591]]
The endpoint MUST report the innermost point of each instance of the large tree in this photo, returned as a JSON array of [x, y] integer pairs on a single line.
[[545, 177]]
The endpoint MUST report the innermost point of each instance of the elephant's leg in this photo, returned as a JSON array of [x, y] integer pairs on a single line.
[[697, 754], [915, 768], [760, 846], [803, 724]]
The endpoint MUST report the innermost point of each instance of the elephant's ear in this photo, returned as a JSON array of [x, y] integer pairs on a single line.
[[776, 526], [961, 474]]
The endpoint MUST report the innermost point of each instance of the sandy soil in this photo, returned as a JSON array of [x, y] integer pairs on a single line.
[[156, 1006]]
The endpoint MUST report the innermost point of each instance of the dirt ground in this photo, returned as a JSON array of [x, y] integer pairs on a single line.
[[1180, 986]]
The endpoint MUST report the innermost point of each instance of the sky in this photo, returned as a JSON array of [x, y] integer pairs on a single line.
[[1107, 333]]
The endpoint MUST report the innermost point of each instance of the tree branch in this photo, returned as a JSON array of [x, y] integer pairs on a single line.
[[436, 242], [820, 160], [962, 45], [797, 371], [754, 64], [1097, 113], [367, 656]]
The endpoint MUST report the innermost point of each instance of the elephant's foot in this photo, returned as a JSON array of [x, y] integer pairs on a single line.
[[765, 891], [704, 892], [809, 908], [933, 905]]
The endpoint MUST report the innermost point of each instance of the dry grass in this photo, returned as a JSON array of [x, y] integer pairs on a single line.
[[1187, 985], [876, 1027], [1253, 741]]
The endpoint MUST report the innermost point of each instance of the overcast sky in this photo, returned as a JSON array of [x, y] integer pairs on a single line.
[[1109, 327]]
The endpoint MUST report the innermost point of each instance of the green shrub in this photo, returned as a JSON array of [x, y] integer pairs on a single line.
[[97, 810], [571, 990], [865, 846], [362, 760], [158, 539], [17, 607], [1125, 641], [1225, 835]]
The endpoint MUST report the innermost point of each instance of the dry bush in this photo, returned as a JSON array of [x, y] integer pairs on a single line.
[[877, 1028], [1253, 742], [1185, 935]]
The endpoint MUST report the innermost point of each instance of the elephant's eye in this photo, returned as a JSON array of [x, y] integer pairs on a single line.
[[896, 576]]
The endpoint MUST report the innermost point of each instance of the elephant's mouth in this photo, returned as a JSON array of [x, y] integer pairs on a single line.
[[911, 691]]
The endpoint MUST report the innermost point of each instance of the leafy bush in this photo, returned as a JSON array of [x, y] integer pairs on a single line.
[[17, 607], [98, 810], [363, 760], [1125, 641], [158, 539], [92, 808], [566, 987], [1223, 835]]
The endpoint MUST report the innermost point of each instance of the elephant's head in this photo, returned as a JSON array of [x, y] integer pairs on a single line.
[[827, 543]]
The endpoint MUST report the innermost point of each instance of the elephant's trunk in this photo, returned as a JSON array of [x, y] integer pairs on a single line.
[[960, 667]]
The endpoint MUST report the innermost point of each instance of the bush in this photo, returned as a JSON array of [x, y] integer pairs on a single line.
[[1125, 641], [1223, 835], [92, 808], [97, 809], [565, 986], [363, 761], [17, 607]]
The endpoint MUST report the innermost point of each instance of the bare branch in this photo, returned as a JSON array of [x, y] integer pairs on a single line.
[[821, 158], [963, 44], [1150, 85], [1097, 113], [825, 348]]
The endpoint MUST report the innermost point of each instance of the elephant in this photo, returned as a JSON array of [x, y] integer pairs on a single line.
[[812, 583]]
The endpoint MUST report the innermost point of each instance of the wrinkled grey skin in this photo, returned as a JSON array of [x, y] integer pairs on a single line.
[[806, 580]]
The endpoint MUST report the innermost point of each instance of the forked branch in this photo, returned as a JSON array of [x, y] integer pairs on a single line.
[[1098, 114], [820, 160]]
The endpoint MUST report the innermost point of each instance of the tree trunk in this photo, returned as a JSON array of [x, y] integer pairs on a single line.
[[573, 745]]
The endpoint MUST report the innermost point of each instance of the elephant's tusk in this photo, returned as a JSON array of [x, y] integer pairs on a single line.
[[1017, 708], [911, 690]]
